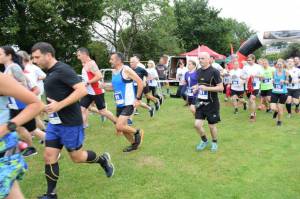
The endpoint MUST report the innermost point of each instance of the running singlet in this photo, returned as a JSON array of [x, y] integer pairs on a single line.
[[94, 88], [279, 88], [123, 89], [267, 80]]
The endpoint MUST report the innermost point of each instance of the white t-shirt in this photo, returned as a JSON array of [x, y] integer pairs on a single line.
[[180, 73], [226, 77], [217, 66], [153, 74], [141, 65], [34, 74], [253, 70], [237, 84], [295, 74]]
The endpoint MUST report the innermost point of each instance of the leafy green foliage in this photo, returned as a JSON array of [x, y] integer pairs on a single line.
[[64, 24]]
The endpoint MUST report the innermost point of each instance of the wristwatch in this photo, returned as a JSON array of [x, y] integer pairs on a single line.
[[11, 126]]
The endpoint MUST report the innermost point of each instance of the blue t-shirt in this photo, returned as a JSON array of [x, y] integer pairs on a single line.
[[191, 79]]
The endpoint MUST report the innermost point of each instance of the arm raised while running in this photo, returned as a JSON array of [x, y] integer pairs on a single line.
[[10, 87]]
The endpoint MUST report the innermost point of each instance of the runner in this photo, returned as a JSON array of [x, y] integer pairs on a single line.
[[279, 92], [152, 81], [180, 74], [122, 84], [12, 164], [13, 63], [266, 85], [91, 76], [293, 87], [207, 105], [65, 128], [191, 79], [143, 74], [297, 62], [253, 72], [162, 70], [226, 83], [237, 86], [36, 77]]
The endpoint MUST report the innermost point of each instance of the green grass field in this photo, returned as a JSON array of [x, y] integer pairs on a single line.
[[256, 160]]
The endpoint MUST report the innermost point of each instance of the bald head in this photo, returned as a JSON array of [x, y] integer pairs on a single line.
[[134, 62], [204, 59]]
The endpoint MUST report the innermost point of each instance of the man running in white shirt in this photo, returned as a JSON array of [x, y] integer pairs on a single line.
[[253, 72]]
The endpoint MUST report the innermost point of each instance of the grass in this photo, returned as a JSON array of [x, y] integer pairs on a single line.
[[256, 160]]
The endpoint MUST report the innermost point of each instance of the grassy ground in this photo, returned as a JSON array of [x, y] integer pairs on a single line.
[[256, 160]]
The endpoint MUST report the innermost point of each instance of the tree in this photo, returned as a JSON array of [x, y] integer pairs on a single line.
[[65, 24], [200, 24], [157, 37], [293, 50], [125, 15], [99, 52]]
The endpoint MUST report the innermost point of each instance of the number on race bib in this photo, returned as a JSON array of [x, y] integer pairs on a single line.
[[54, 118], [235, 82], [267, 80], [119, 98], [190, 92], [203, 94], [278, 88]]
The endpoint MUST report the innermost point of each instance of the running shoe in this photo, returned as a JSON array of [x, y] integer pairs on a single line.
[[201, 146], [214, 147], [29, 151], [107, 166]]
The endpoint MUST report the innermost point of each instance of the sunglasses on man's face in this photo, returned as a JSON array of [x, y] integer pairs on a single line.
[[201, 58]]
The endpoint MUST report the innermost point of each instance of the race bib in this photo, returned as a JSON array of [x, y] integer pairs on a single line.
[[278, 88], [266, 80], [12, 104], [119, 98], [54, 118], [190, 92], [235, 82], [203, 94]]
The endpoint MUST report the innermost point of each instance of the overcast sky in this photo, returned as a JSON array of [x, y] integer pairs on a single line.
[[262, 15]]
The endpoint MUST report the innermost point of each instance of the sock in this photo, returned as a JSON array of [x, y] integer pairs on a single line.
[[275, 114], [215, 141], [52, 174], [203, 138], [137, 132], [289, 108], [92, 158]]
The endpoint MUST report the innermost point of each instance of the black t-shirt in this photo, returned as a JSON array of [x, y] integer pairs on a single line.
[[59, 85], [210, 77], [161, 71], [141, 72]]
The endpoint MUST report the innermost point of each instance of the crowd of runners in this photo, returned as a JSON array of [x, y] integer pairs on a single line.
[[70, 98]]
